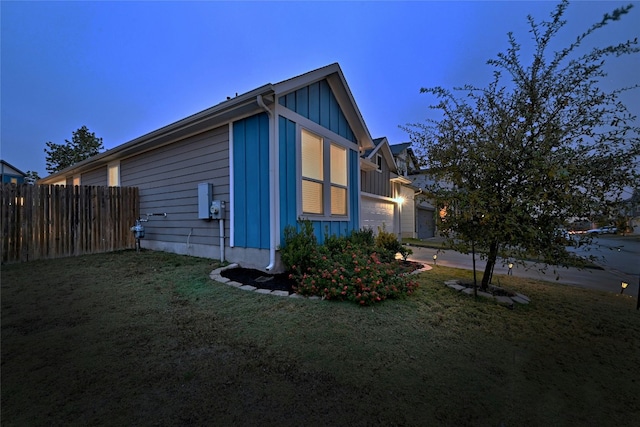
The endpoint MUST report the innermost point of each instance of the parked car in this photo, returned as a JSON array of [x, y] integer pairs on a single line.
[[609, 229]]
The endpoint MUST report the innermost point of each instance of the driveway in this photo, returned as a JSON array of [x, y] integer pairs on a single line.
[[608, 279]]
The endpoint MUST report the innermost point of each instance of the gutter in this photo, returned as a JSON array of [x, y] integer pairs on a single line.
[[272, 187]]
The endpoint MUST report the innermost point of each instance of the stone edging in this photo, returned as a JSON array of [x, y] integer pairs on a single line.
[[217, 276], [500, 299]]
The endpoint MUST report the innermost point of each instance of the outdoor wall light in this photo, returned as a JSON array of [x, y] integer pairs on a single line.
[[435, 259], [623, 286], [510, 272]]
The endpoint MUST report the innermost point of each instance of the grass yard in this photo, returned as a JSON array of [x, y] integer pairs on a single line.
[[148, 339]]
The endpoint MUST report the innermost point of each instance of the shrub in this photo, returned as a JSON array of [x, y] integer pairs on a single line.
[[299, 246], [335, 243], [363, 238], [387, 244]]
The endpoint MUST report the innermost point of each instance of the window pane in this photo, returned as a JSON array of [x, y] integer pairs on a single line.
[[338, 201], [311, 197], [311, 156], [338, 165], [114, 175]]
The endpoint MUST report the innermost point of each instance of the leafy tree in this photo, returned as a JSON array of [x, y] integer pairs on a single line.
[[31, 177], [83, 145], [513, 161]]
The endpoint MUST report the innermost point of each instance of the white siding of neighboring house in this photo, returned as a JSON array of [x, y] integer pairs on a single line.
[[377, 212], [407, 213]]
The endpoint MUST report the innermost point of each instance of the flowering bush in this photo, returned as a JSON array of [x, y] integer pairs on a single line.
[[352, 274]]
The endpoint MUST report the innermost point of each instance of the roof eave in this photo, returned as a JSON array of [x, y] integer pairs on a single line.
[[196, 123]]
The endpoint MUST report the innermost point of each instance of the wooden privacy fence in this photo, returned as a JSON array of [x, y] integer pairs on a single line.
[[52, 221]]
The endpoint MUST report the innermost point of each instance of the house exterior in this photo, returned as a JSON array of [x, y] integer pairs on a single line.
[[419, 216], [11, 174], [266, 158], [631, 212], [384, 201]]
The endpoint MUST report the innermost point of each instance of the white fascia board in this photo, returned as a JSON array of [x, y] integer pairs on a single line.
[[306, 79]]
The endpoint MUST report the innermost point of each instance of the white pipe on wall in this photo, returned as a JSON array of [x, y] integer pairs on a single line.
[[221, 221]]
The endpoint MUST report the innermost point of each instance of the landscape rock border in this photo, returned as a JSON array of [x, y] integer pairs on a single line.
[[505, 300], [218, 277]]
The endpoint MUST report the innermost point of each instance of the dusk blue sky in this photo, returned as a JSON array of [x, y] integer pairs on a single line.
[[124, 69]]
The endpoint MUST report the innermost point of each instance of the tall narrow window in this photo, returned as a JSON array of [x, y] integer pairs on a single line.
[[338, 159], [312, 174], [113, 174]]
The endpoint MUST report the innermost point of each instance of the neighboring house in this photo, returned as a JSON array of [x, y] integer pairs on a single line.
[[382, 197], [426, 212], [420, 221], [407, 164], [270, 156], [631, 212], [11, 174]]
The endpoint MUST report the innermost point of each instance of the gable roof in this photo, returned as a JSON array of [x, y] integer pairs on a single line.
[[12, 169], [225, 112], [397, 149], [382, 148]]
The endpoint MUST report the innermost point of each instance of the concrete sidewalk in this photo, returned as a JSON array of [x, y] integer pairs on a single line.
[[602, 280]]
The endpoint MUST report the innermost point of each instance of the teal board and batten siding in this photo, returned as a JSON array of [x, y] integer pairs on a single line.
[[251, 182], [317, 103], [288, 175]]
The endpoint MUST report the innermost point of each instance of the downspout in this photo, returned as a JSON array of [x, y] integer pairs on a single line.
[[272, 187]]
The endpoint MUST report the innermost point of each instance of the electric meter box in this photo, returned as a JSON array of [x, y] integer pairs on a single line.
[[217, 209], [205, 196]]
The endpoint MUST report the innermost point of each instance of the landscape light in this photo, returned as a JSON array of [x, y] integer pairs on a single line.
[[623, 286], [510, 273], [435, 258]]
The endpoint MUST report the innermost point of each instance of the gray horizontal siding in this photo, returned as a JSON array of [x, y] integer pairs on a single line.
[[168, 179], [95, 177], [375, 182]]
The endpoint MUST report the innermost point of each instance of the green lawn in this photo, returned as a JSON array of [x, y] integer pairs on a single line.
[[148, 339]]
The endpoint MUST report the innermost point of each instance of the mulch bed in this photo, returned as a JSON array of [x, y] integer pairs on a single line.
[[260, 279]]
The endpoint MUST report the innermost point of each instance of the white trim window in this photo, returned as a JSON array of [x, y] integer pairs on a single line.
[[113, 174], [324, 177]]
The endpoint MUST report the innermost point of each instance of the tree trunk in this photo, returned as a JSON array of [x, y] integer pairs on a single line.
[[491, 261]]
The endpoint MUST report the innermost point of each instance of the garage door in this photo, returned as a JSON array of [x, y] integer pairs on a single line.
[[425, 224], [375, 213]]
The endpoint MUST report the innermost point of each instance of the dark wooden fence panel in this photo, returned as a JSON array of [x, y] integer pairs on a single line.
[[50, 221]]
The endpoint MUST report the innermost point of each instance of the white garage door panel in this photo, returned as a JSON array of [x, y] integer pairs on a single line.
[[375, 213]]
